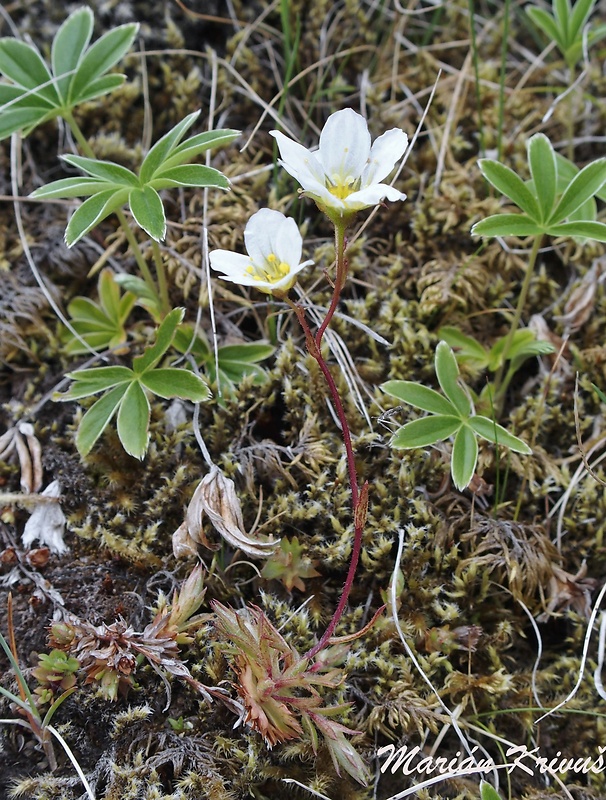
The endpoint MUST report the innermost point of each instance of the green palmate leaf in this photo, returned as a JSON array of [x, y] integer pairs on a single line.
[[525, 344], [138, 287], [147, 209], [69, 44], [190, 175], [92, 381], [507, 225], [100, 87], [97, 418], [496, 433], [114, 174], [543, 168], [173, 382], [23, 64], [100, 57], [545, 22], [580, 14], [198, 144], [420, 397], [587, 230], [562, 11], [133, 421], [163, 147], [71, 187], [582, 187], [92, 212], [425, 431], [468, 350], [511, 185], [20, 119], [164, 337], [464, 457], [447, 372]]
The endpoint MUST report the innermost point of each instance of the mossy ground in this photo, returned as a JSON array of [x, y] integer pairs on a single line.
[[469, 571]]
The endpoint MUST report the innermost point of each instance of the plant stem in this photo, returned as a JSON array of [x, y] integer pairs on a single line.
[[359, 497], [161, 276], [499, 385], [130, 237], [136, 250]]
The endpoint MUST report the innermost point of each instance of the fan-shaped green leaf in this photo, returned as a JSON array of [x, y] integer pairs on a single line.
[[189, 175], [468, 350], [496, 433], [164, 337], [71, 187], [101, 56], [464, 457], [174, 382], [198, 144], [99, 87], [425, 431], [92, 212], [545, 22], [133, 421], [164, 146], [24, 65], [541, 158], [148, 211], [581, 11], [70, 42], [582, 187], [20, 119], [586, 230], [420, 397], [511, 185], [114, 174], [507, 225], [96, 419], [447, 372]]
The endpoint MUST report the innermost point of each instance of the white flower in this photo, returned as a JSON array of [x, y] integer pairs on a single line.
[[274, 246], [345, 173]]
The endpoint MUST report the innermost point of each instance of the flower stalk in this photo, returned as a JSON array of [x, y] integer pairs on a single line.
[[359, 497]]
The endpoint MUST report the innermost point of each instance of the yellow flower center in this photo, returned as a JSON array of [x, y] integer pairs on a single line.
[[342, 187], [271, 272]]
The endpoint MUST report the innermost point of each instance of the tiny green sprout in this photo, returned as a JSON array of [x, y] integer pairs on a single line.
[[289, 565], [451, 415], [109, 186], [180, 725], [565, 26], [233, 362], [56, 670], [34, 93], [99, 325], [487, 792], [125, 392]]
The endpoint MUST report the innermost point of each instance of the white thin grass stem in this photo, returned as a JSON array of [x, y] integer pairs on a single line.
[[597, 675], [443, 777], [590, 624], [535, 666], [393, 598], [307, 788], [72, 758]]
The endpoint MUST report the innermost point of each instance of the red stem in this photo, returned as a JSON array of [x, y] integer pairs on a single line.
[[359, 497]]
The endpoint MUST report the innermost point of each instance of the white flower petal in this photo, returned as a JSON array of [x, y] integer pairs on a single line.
[[384, 153], [232, 264], [372, 195], [298, 161], [288, 242], [344, 145]]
